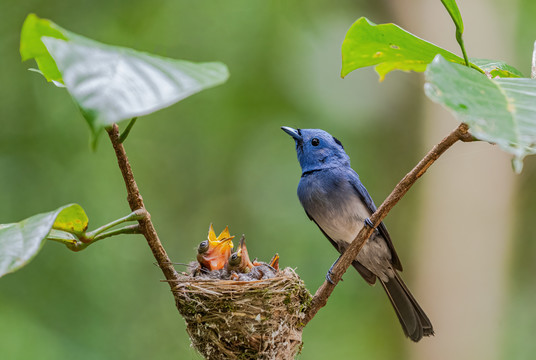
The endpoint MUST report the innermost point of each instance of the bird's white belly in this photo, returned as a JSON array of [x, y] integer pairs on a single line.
[[343, 222]]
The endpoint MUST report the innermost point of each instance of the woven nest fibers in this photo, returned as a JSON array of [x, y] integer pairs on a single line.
[[229, 319]]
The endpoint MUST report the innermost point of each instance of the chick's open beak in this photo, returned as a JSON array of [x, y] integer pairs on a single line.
[[275, 262], [246, 263], [222, 251], [216, 256]]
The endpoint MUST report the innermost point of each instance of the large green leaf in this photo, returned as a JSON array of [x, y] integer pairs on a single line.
[[20, 242], [389, 47], [111, 83], [502, 111]]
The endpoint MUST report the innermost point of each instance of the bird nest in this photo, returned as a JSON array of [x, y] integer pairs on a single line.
[[259, 319]]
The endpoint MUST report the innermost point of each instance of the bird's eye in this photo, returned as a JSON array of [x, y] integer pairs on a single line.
[[234, 259], [315, 141], [203, 247]]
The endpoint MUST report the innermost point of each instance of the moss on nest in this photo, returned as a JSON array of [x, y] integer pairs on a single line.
[[244, 320]]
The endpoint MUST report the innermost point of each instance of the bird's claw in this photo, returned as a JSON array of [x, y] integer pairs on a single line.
[[369, 223], [328, 277]]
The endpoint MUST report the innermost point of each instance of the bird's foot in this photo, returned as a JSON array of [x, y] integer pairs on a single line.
[[328, 275], [369, 223]]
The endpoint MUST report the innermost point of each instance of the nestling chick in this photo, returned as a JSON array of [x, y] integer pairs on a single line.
[[239, 261], [212, 254], [241, 268]]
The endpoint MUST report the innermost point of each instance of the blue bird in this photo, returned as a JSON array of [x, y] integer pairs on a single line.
[[335, 199]]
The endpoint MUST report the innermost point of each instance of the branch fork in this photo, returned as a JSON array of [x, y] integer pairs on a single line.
[[136, 204]]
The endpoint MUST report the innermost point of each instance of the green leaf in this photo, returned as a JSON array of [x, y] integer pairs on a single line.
[[72, 219], [389, 47], [20, 242], [62, 236], [454, 13], [31, 46], [497, 68], [501, 111], [111, 83]]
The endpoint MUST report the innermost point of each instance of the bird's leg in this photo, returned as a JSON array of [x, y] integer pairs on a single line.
[[369, 223], [328, 275]]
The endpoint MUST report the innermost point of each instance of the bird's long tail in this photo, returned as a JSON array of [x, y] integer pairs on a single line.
[[414, 321]]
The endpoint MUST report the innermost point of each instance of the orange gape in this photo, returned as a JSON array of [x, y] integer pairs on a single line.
[[216, 258], [213, 253], [275, 262]]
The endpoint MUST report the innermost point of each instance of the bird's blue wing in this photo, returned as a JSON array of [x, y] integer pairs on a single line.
[[363, 194]]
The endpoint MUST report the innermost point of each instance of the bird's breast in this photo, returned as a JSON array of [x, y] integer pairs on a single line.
[[334, 205]]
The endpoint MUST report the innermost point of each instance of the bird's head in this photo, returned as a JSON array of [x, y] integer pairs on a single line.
[[317, 149], [213, 253], [239, 261]]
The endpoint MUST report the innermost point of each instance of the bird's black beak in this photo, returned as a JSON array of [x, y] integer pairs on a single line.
[[293, 132]]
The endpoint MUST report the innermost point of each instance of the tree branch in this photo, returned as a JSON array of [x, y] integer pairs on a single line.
[[324, 291], [136, 202]]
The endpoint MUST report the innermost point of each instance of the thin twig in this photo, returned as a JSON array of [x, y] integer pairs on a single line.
[[324, 291], [129, 229], [133, 216], [136, 202]]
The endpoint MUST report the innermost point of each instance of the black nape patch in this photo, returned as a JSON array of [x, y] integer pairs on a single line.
[[299, 132], [337, 141]]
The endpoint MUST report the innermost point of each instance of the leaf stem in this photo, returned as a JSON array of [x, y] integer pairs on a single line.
[[129, 229], [459, 39], [133, 216], [125, 133], [324, 291], [76, 245], [454, 12]]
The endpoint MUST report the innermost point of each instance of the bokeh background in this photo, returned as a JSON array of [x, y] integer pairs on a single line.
[[465, 233]]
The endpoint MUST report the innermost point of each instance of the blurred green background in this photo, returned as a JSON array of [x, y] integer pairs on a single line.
[[220, 157]]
